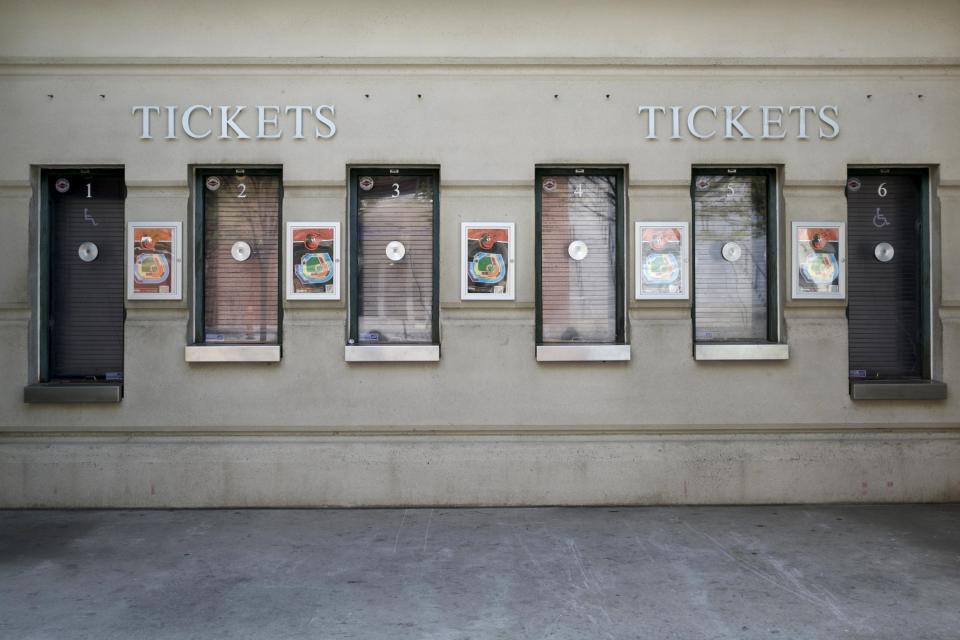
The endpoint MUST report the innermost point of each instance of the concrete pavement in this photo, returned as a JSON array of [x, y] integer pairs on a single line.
[[830, 572]]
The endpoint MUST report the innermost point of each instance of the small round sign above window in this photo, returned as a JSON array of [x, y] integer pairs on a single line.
[[703, 182], [550, 185], [213, 183], [366, 183], [62, 185], [853, 184]]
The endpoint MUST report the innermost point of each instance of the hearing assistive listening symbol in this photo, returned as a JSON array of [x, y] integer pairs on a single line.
[[880, 220]]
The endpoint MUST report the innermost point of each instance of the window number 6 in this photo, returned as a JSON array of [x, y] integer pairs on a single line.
[[396, 190], [882, 190], [243, 191]]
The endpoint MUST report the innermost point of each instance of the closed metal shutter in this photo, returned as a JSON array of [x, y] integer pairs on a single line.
[[241, 297], [731, 293], [395, 213], [86, 297], [884, 298], [578, 293]]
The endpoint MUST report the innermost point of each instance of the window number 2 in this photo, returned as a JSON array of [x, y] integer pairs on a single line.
[[882, 190], [396, 190], [243, 191], [89, 191]]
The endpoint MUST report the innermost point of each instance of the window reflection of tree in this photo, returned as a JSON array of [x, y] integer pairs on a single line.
[[584, 216]]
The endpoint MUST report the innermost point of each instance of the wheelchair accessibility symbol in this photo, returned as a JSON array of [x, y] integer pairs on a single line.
[[880, 220]]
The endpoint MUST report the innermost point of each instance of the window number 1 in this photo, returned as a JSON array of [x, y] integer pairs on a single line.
[[396, 190], [882, 190], [89, 192], [243, 191]]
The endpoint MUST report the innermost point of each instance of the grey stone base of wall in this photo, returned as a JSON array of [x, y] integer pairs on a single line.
[[480, 470]]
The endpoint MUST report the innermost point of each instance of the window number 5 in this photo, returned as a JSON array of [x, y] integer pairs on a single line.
[[882, 190], [396, 190], [243, 190]]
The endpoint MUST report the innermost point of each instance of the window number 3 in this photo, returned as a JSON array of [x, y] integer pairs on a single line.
[[882, 190], [243, 191], [396, 190]]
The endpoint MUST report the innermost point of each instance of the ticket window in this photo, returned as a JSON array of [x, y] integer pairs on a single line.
[[80, 307], [580, 264], [736, 301], [237, 266], [394, 268], [888, 304]]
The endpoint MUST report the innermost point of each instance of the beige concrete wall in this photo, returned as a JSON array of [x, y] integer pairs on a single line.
[[503, 88]]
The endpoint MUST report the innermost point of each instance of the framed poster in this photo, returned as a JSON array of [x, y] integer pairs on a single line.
[[313, 261], [819, 256], [662, 261], [487, 261], [154, 266]]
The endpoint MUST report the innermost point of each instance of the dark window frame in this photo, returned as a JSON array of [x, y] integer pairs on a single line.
[[45, 239], [200, 174], [620, 173], [353, 235], [774, 272], [926, 256]]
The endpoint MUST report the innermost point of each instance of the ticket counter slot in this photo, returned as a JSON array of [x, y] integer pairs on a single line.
[[394, 265], [736, 306], [889, 308], [580, 217], [237, 285], [79, 313]]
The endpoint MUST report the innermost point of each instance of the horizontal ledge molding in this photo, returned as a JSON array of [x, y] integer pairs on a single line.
[[583, 352], [232, 353], [741, 351], [73, 392], [898, 390], [392, 353], [519, 433], [591, 61]]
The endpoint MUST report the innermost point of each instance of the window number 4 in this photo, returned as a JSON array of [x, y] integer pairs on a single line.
[[578, 191], [882, 190]]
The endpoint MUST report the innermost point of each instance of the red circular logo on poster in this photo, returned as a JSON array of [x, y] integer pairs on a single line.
[[146, 242], [312, 241]]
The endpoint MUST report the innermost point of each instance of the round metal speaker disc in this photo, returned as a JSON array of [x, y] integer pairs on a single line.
[[395, 251], [578, 250], [240, 251], [883, 252], [88, 252], [731, 252]]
